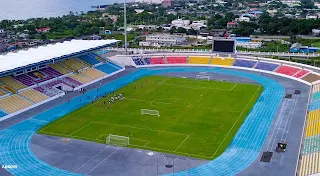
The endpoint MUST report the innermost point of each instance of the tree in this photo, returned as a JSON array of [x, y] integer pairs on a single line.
[[43, 36], [181, 30]]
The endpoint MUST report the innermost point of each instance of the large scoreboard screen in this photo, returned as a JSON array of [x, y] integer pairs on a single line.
[[224, 46]]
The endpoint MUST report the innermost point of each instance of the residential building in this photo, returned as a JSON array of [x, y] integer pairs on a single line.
[[180, 23], [43, 30], [231, 25], [167, 3], [244, 19], [162, 40], [150, 1], [198, 25], [316, 32]]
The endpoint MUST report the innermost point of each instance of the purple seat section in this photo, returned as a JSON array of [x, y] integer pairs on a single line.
[[244, 63]]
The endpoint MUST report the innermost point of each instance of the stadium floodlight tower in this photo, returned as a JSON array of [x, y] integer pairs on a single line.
[[125, 27]]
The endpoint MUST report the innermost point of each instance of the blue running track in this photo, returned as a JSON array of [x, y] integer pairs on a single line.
[[243, 150]]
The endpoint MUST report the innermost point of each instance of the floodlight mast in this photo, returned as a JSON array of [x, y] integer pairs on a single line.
[[125, 27]]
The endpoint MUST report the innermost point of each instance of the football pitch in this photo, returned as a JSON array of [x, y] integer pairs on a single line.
[[198, 118]]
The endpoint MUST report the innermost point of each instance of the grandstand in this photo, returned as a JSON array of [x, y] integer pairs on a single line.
[[287, 70], [14, 103], [244, 63], [81, 78], [74, 64], [222, 61], [199, 59], [310, 159], [60, 68], [33, 95], [28, 85], [176, 59], [93, 73], [11, 84], [266, 66]]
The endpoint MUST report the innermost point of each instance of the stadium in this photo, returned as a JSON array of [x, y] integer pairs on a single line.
[[81, 108]]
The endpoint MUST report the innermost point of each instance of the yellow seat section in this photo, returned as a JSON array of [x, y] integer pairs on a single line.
[[310, 164], [33, 95], [74, 64], [9, 89], [60, 68], [93, 73], [8, 80], [2, 92], [83, 62], [199, 59], [222, 61], [100, 59], [316, 88], [80, 78], [312, 129], [314, 116], [13, 103]]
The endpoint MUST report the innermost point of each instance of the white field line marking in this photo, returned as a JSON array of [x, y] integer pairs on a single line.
[[71, 114], [80, 128], [164, 80], [236, 121], [233, 86], [182, 143], [289, 120], [99, 136], [91, 158], [65, 135], [132, 99], [146, 144], [140, 128], [102, 161], [185, 108], [194, 87]]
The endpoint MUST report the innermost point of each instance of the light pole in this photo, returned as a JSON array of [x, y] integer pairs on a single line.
[[125, 27]]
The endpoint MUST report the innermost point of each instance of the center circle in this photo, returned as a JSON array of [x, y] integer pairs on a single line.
[[170, 103]]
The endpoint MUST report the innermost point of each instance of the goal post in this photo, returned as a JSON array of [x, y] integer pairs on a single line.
[[205, 77], [117, 140], [150, 112]]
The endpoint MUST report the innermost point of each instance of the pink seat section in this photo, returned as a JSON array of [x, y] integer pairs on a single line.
[[287, 70], [156, 60], [301, 73], [177, 59]]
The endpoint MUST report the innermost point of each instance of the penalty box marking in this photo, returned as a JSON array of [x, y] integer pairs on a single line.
[[141, 146], [127, 126]]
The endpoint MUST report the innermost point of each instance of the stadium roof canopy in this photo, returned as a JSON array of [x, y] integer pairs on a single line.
[[43, 54]]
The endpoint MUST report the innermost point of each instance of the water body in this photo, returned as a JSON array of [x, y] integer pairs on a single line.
[[24, 9]]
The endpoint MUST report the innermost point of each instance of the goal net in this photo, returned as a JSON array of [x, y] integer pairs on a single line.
[[117, 140], [205, 77], [150, 112]]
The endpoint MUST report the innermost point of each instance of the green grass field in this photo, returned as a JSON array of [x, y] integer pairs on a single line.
[[198, 118]]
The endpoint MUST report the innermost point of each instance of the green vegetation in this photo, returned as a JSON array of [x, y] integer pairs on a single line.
[[309, 42], [274, 46], [198, 118]]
